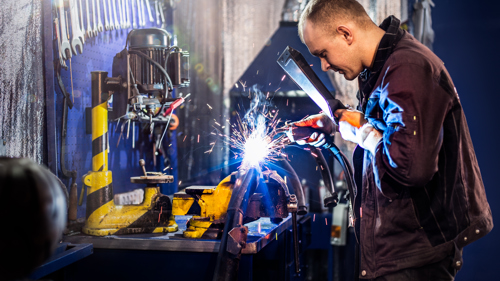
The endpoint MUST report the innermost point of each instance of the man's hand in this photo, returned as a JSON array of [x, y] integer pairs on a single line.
[[367, 137], [322, 123], [354, 117]]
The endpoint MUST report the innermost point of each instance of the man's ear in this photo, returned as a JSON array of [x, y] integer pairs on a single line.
[[346, 33]]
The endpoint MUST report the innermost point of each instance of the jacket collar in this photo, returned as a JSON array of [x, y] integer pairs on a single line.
[[369, 76]]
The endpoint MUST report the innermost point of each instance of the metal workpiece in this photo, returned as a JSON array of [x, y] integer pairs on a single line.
[[260, 233]]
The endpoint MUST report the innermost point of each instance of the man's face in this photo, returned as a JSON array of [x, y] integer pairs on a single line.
[[334, 50]]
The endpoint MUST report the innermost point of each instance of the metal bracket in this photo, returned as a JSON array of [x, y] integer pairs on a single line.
[[237, 240]]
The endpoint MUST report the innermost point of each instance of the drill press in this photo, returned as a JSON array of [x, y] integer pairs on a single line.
[[144, 74]]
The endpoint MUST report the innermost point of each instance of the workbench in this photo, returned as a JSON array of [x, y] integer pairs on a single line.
[[268, 254]]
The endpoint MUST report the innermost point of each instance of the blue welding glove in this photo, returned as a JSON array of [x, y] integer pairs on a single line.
[[322, 123]]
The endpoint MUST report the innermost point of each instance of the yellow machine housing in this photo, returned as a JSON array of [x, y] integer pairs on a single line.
[[103, 216], [208, 204]]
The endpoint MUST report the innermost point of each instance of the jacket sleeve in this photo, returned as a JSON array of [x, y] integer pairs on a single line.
[[413, 107]]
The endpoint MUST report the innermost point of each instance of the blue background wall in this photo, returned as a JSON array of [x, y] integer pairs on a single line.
[[467, 41]]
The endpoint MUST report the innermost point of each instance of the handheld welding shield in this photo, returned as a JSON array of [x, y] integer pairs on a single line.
[[296, 66]]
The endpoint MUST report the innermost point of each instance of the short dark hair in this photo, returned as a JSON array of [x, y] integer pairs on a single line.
[[326, 12]]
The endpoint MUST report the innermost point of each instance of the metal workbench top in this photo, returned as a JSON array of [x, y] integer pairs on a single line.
[[175, 242]]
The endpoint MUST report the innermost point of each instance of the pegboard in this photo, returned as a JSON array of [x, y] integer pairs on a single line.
[[97, 55]]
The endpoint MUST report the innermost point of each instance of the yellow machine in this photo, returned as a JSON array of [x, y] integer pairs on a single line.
[[144, 74], [103, 216], [208, 204]]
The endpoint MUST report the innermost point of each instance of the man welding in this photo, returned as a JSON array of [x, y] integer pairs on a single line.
[[420, 196]]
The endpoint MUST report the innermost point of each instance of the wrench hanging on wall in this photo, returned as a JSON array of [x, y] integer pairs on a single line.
[[81, 21], [134, 20], [143, 15], [106, 21], [89, 28], [148, 5], [76, 31], [58, 38], [111, 21], [99, 21], [94, 22], [65, 46], [117, 23]]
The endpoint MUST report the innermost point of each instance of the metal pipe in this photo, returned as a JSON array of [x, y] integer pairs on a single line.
[[99, 121], [228, 263], [330, 200], [296, 185]]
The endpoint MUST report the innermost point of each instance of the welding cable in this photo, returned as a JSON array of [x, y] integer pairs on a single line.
[[296, 185], [155, 63]]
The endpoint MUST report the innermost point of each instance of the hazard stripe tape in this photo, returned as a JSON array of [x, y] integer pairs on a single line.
[[100, 144], [98, 198]]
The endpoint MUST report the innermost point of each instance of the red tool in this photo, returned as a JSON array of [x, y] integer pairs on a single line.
[[175, 104]]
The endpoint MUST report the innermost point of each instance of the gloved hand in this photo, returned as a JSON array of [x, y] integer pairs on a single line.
[[367, 137], [322, 123]]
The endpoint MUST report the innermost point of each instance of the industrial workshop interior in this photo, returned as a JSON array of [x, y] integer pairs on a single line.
[[249, 139]]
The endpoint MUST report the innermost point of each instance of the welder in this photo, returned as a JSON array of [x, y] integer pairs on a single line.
[[420, 197]]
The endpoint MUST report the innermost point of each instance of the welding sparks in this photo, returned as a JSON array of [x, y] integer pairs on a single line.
[[209, 106], [255, 138], [283, 78]]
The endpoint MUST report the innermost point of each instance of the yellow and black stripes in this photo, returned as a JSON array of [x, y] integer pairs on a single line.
[[98, 198]]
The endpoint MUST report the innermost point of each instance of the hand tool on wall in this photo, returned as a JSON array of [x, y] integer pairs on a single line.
[[117, 23], [138, 9], [65, 45], [157, 12], [120, 12], [82, 27], [94, 21], [111, 20], [134, 20], [143, 15], [89, 27], [105, 10], [160, 8], [99, 21], [58, 38], [127, 14], [148, 6], [76, 31]]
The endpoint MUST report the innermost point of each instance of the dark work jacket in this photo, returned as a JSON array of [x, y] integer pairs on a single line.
[[422, 196]]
